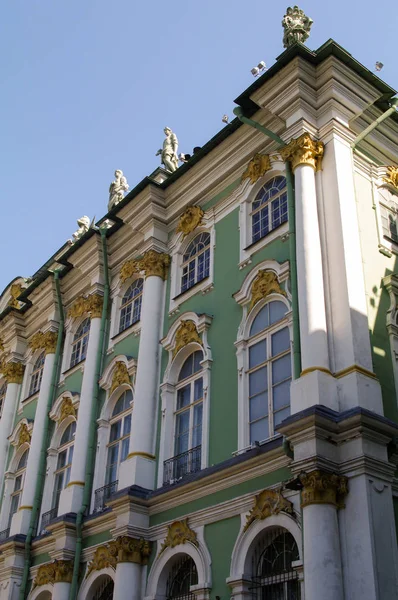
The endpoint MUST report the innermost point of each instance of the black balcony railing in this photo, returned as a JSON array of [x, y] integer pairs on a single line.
[[47, 517], [4, 534], [181, 465], [103, 494]]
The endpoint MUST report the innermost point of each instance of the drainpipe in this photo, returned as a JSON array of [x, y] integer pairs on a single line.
[[43, 450], [238, 111], [91, 448], [365, 132]]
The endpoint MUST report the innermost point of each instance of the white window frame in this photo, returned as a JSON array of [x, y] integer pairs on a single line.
[[71, 327], [246, 199], [118, 290], [30, 362], [37, 374], [384, 195], [178, 247], [243, 297], [119, 441], [66, 469], [170, 384]]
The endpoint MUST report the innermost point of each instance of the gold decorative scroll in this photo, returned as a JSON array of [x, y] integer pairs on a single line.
[[47, 341], [304, 151], [45, 575], [179, 532], [1, 345], [190, 220], [123, 549], [320, 487], [102, 559], [63, 570], [185, 334], [267, 503], [92, 305], [13, 372], [392, 176], [129, 268], [264, 284], [67, 409], [154, 264], [15, 291], [257, 167], [24, 435], [120, 376]]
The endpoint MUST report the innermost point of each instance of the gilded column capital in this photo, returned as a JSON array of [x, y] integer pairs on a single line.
[[190, 220], [320, 487], [46, 341], [154, 264], [304, 151], [132, 550], [63, 571], [13, 372], [392, 176], [90, 304]]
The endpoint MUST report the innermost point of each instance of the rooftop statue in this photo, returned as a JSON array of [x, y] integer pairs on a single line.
[[169, 151], [296, 26], [84, 226], [117, 189]]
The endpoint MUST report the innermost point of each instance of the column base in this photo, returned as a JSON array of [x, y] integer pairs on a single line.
[[315, 387], [21, 521], [359, 388], [71, 498], [139, 470]]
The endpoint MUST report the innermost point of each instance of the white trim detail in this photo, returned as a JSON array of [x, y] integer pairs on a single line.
[[118, 289], [90, 583], [37, 592]]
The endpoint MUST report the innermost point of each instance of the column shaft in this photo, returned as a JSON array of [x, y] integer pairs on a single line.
[[61, 591], [6, 423], [128, 581]]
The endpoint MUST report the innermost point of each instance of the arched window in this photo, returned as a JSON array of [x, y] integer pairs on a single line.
[[130, 310], [37, 374], [182, 576], [196, 261], [269, 209], [18, 485], [118, 447], [80, 342], [64, 465], [105, 589], [269, 371], [273, 575], [188, 418], [3, 391]]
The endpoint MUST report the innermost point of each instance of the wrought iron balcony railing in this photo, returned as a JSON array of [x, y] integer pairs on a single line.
[[179, 466], [47, 517], [4, 534], [103, 494]]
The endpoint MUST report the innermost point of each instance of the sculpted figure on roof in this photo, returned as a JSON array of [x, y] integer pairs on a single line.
[[117, 189], [169, 151], [296, 26], [84, 226]]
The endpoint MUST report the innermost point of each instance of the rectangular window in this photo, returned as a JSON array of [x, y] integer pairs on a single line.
[[389, 222]]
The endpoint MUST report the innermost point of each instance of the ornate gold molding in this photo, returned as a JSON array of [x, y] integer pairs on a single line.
[[123, 549], [320, 487], [45, 575], [92, 305], [15, 291], [257, 167], [190, 220], [129, 268], [24, 435], [267, 503], [13, 372], [1, 345], [304, 151], [154, 263], [59, 571], [63, 571], [120, 376], [392, 176], [185, 334], [179, 532], [47, 341], [264, 284], [67, 409], [102, 559]]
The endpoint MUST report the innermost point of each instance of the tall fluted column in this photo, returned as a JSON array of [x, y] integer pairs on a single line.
[[72, 496], [13, 374], [305, 156], [321, 495], [21, 520], [139, 468], [131, 555]]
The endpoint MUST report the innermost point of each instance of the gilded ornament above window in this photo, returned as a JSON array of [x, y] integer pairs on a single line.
[[185, 334], [67, 409], [392, 176], [123, 549], [179, 532], [129, 268], [92, 305], [190, 220], [46, 341], [120, 376], [24, 435], [269, 502], [257, 167], [304, 151], [264, 284]]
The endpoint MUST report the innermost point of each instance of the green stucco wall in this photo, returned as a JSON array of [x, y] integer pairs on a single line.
[[220, 539]]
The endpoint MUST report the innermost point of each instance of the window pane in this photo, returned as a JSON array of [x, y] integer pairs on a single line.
[[197, 359], [127, 425], [61, 460], [125, 449], [111, 473], [281, 415], [281, 395], [261, 321], [67, 476], [182, 423], [281, 369], [113, 454], [59, 482], [259, 431], [277, 311], [186, 369], [184, 397], [197, 425], [14, 505], [257, 354], [70, 457], [116, 431], [258, 381], [280, 341], [258, 406], [198, 385], [18, 483]]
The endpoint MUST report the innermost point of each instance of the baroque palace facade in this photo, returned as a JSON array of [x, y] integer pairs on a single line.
[[199, 394]]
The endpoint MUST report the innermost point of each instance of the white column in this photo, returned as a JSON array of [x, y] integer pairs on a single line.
[[6, 422], [139, 468], [128, 581], [21, 520], [61, 591], [72, 496]]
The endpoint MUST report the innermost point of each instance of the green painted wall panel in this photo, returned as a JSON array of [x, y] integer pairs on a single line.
[[41, 559], [128, 346], [220, 538], [72, 383], [98, 538]]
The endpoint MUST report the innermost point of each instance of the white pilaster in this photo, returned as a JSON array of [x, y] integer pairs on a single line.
[[61, 591], [72, 496], [6, 423], [128, 581], [139, 468], [21, 520]]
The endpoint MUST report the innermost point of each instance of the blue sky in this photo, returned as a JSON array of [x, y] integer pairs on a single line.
[[87, 87]]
